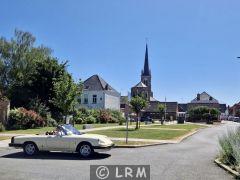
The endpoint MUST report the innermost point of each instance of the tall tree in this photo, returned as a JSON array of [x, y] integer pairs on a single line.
[[18, 58], [138, 104], [161, 110], [66, 93]]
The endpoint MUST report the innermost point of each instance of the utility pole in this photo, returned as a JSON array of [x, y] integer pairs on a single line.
[[165, 109]]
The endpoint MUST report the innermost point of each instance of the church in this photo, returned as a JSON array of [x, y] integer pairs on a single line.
[[144, 89]]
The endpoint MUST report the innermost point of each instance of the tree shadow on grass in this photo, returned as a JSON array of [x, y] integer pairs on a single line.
[[56, 156]]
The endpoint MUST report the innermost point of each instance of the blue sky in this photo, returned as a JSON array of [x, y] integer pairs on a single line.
[[193, 45]]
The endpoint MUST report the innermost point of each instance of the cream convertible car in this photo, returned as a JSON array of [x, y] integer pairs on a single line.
[[66, 138]]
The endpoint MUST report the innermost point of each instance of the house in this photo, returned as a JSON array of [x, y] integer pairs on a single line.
[[98, 94], [235, 110], [203, 99]]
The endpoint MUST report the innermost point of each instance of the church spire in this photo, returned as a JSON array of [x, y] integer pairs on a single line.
[[146, 71]]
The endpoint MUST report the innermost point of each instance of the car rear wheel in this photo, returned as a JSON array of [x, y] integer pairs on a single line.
[[85, 150], [30, 149]]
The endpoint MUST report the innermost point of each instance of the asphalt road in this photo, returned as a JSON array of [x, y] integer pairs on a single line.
[[191, 159]]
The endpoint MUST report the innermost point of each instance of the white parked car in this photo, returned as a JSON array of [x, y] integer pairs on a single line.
[[66, 138]]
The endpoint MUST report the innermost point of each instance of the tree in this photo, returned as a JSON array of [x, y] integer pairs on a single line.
[[138, 104], [29, 72], [66, 92], [203, 113], [161, 110], [18, 62]]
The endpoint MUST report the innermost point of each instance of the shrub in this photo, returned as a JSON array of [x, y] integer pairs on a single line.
[[40, 108], [23, 119], [90, 120], [230, 145], [203, 113], [51, 122], [104, 116]]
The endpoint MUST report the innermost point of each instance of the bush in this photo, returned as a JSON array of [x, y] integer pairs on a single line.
[[83, 116], [40, 108], [203, 113], [104, 116], [51, 122], [23, 119], [90, 120], [230, 145]]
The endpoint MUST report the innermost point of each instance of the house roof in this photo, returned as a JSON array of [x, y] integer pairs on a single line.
[[170, 106], [96, 83], [140, 84], [182, 107], [204, 98]]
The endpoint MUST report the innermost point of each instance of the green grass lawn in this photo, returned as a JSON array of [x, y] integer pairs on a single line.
[[142, 133], [158, 134], [45, 129], [29, 131], [4, 137], [80, 126]]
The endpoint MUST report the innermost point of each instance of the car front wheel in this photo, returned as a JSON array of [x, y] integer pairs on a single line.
[[30, 149], [85, 150]]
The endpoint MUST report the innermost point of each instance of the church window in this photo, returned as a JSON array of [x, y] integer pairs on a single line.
[[145, 82]]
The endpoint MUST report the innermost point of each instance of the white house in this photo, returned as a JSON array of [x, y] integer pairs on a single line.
[[98, 94]]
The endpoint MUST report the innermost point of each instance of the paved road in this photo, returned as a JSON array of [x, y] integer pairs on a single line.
[[192, 159]]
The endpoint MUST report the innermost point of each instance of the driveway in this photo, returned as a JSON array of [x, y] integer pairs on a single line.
[[191, 159]]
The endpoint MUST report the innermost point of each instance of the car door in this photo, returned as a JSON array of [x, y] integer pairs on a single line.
[[57, 143]]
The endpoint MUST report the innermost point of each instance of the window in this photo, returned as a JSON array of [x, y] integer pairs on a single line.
[[94, 99], [80, 100], [145, 82], [85, 99]]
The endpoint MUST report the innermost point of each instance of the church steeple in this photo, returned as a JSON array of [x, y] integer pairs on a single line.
[[146, 71]]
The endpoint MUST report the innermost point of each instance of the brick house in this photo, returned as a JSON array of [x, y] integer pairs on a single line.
[[235, 110]]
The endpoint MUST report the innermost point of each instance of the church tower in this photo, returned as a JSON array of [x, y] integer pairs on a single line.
[[146, 76]]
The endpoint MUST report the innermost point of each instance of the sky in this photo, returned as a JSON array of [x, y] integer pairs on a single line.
[[192, 45]]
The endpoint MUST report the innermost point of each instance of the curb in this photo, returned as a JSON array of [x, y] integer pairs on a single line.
[[160, 143], [227, 168], [139, 146]]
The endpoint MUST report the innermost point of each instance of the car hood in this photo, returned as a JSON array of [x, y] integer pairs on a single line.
[[97, 136]]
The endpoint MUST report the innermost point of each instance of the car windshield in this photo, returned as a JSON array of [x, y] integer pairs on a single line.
[[71, 129]]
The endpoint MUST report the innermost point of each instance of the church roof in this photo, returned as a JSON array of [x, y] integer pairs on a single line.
[[153, 99], [204, 98], [140, 84], [146, 70], [96, 83]]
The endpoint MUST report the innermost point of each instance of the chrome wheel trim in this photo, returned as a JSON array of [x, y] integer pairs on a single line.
[[30, 149], [85, 150]]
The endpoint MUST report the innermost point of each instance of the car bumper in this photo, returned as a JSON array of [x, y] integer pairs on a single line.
[[15, 145], [103, 148]]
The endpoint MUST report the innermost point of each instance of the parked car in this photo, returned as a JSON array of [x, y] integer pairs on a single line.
[[230, 118], [236, 119], [65, 138], [148, 119]]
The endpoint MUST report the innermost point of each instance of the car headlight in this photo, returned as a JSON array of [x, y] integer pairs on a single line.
[[101, 142]]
